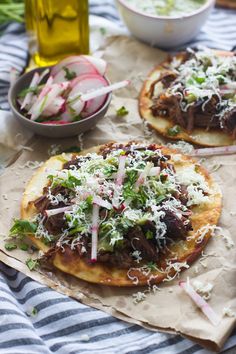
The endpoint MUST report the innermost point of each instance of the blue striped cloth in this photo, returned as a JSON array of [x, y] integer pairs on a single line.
[[36, 319]]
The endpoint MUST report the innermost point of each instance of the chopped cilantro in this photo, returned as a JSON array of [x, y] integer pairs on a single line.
[[151, 266], [24, 247], [175, 130], [69, 75], [22, 227], [10, 246], [149, 235], [122, 111], [31, 263], [34, 90]]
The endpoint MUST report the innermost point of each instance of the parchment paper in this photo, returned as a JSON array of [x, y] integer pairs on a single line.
[[169, 308]]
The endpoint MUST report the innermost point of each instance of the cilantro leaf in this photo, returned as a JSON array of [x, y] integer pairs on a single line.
[[22, 227], [69, 75], [122, 111], [10, 246], [175, 130], [34, 90], [32, 263], [24, 247]]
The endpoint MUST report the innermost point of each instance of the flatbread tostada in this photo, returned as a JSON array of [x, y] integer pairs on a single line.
[[193, 97], [121, 214], [227, 3]]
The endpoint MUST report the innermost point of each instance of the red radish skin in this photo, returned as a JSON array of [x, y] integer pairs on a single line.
[[99, 64]]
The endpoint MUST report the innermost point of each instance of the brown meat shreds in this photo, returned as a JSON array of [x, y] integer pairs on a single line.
[[144, 228]]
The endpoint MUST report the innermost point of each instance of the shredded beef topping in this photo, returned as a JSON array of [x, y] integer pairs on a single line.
[[200, 91], [141, 207]]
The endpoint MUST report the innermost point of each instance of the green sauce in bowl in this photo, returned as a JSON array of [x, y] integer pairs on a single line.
[[171, 8]]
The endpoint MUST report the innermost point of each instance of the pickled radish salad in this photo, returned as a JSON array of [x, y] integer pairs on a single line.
[[169, 8], [72, 90]]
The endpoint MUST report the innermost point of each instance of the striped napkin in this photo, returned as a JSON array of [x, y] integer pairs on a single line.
[[36, 319]]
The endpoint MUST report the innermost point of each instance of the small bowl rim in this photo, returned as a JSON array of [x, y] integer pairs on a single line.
[[56, 126], [191, 14]]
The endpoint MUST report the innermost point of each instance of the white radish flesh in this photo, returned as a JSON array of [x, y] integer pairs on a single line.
[[221, 150], [46, 88], [201, 303], [41, 104], [103, 203], [83, 85], [78, 68], [154, 171], [55, 107], [121, 170], [95, 222], [143, 176], [52, 212], [105, 90], [29, 95]]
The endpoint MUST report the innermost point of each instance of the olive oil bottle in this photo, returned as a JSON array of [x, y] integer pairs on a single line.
[[61, 28]]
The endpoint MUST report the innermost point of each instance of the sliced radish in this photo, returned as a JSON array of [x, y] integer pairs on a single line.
[[55, 107], [98, 63], [41, 104], [121, 170], [52, 212], [27, 100], [143, 175], [46, 88], [95, 221], [81, 67], [103, 203], [221, 150], [154, 171], [83, 85], [67, 61], [104, 90], [201, 303]]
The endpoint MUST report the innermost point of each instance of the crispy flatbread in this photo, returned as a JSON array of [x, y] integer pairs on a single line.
[[231, 4], [184, 252], [199, 136]]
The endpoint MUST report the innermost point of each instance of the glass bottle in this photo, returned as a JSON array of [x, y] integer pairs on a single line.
[[61, 28]]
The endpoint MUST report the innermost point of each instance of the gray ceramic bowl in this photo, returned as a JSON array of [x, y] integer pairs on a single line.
[[51, 131]]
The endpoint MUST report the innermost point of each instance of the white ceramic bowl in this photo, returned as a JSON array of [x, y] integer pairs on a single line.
[[163, 31]]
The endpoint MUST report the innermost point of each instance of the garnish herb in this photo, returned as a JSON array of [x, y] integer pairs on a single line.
[[174, 130], [10, 246], [24, 247], [22, 227], [69, 75], [31, 263], [34, 90], [122, 111]]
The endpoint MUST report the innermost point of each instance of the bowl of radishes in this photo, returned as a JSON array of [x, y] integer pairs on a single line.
[[63, 100]]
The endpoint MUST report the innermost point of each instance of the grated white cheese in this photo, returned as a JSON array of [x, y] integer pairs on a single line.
[[227, 311], [139, 297], [203, 289]]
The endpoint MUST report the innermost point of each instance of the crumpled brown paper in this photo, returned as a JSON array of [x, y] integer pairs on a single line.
[[169, 308]]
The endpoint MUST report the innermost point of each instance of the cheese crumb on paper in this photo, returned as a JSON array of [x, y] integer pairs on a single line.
[[227, 311], [203, 289]]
